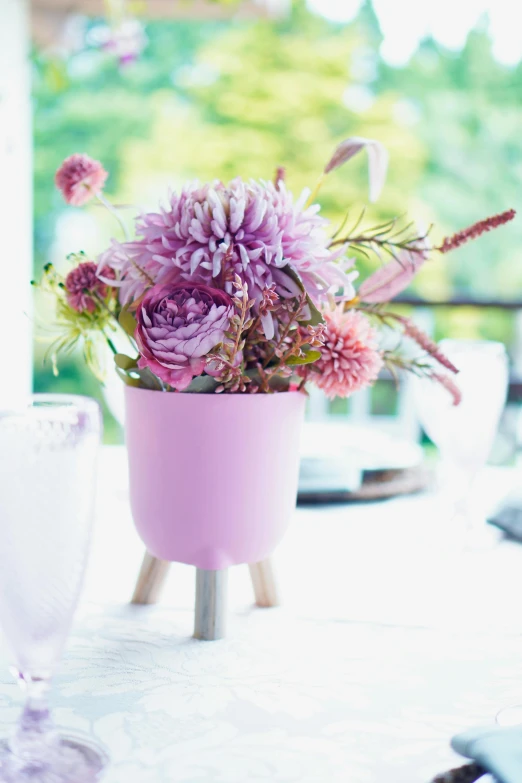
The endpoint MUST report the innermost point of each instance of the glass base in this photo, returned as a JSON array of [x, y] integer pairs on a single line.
[[72, 759], [510, 716]]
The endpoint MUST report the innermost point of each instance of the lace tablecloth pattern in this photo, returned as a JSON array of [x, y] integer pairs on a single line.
[[284, 699]]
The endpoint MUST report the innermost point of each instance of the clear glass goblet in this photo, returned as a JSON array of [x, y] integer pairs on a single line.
[[48, 451], [464, 434]]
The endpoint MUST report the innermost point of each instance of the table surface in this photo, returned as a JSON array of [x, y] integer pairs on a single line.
[[394, 636]]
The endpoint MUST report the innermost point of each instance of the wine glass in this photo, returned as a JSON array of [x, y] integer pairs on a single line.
[[48, 451], [464, 433]]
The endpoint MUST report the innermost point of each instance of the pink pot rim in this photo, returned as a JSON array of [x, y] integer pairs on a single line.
[[226, 396]]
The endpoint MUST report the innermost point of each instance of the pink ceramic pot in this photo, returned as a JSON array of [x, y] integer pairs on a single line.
[[213, 477]]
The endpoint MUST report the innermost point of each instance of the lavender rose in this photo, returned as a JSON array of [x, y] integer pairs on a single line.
[[178, 326]]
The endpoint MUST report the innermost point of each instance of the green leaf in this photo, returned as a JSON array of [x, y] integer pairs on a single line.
[[127, 322], [294, 275], [147, 379], [141, 379], [127, 378], [315, 314], [203, 384], [308, 358], [124, 362]]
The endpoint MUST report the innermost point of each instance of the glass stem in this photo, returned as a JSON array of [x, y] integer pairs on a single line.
[[35, 727]]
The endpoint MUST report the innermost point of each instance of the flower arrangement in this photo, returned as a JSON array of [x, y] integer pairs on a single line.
[[241, 288]]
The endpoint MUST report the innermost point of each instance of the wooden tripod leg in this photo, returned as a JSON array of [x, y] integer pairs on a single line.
[[211, 604], [150, 582], [264, 584]]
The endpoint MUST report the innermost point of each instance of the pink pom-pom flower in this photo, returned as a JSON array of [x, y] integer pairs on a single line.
[[83, 287], [350, 357], [80, 178]]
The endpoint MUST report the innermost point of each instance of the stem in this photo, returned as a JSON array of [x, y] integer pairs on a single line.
[[304, 381], [104, 305], [382, 315], [342, 226], [36, 731], [126, 234], [110, 344], [386, 244], [285, 333], [315, 191], [114, 212], [241, 323], [244, 310], [253, 328]]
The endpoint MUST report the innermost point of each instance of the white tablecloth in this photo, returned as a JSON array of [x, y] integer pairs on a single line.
[[391, 640]]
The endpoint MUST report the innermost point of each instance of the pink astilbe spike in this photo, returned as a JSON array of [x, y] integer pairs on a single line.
[[426, 343], [476, 230], [449, 384]]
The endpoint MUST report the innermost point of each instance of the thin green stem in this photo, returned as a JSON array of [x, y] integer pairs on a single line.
[[114, 212], [126, 234], [107, 309], [110, 344], [315, 192]]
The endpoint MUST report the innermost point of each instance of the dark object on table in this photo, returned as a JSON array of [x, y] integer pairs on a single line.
[[375, 485], [467, 774], [509, 519], [343, 463]]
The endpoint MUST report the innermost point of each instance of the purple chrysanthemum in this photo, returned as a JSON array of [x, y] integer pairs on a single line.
[[209, 233]]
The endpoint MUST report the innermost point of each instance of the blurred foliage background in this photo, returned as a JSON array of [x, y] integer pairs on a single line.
[[212, 100]]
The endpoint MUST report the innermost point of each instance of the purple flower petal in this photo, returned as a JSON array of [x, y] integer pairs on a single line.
[[377, 161], [178, 326]]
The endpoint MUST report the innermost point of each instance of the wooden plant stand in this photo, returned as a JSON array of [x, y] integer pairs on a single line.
[[211, 593]]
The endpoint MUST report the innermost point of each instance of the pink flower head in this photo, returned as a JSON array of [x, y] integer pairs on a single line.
[[80, 178], [178, 326], [350, 358], [81, 284], [209, 233]]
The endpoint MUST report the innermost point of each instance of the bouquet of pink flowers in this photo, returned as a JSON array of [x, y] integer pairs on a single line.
[[239, 287]]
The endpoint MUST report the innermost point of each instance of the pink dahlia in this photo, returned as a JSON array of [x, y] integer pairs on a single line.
[[178, 326], [80, 178], [350, 358], [82, 286], [210, 233]]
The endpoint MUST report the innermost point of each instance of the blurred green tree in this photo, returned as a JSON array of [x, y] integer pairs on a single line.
[[214, 100]]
